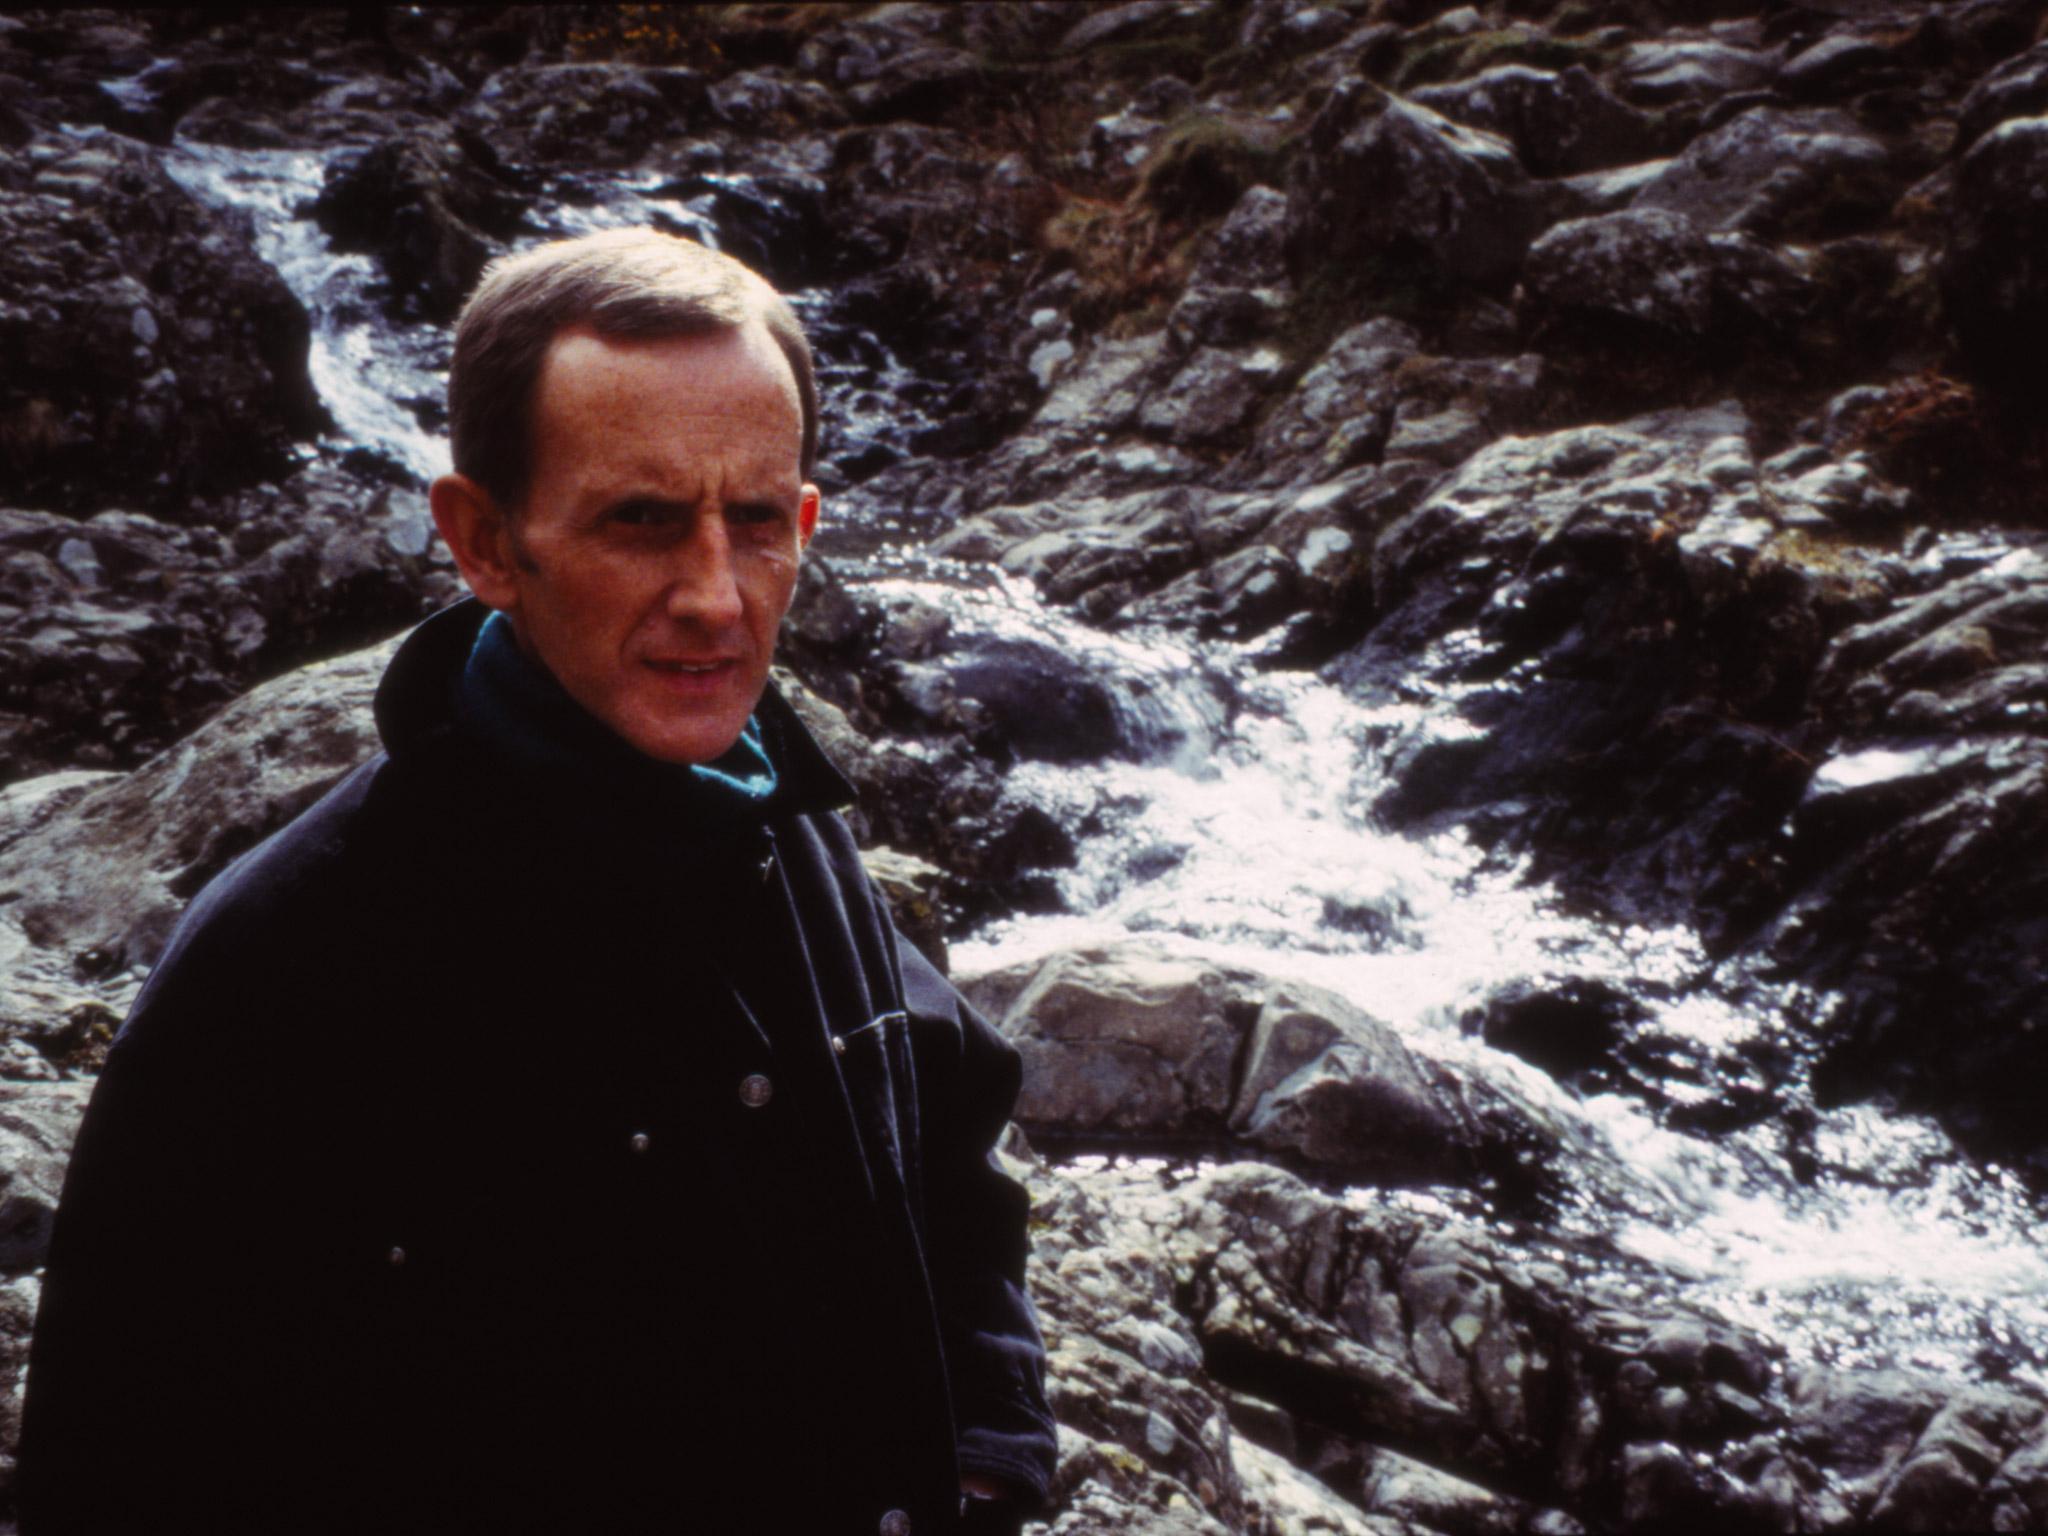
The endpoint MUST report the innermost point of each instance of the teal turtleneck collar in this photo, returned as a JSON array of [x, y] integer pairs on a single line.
[[515, 704]]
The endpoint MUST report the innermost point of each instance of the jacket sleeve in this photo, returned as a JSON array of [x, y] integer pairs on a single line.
[[976, 1221], [171, 1327]]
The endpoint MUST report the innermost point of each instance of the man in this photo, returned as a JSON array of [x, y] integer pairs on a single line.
[[548, 1131]]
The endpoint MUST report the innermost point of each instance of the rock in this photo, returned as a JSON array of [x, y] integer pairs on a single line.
[[120, 632], [1153, 1044], [1779, 173], [1378, 175], [1561, 123], [1838, 64], [108, 875], [1239, 286], [1609, 546], [1923, 821], [38, 1123], [427, 209], [2016, 88], [1655, 276], [1376, 397], [152, 354], [1660, 73], [1214, 396], [609, 114], [1994, 278], [1132, 1041], [922, 83], [1425, 1334], [912, 887], [1096, 554]]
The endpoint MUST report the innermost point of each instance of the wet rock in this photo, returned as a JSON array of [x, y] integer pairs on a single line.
[[606, 114], [1560, 122], [1380, 175], [108, 875], [153, 355], [1376, 397], [1778, 173], [1098, 555], [1569, 1028], [1239, 285], [121, 631], [1399, 1329], [1616, 552], [1148, 1043], [1839, 64], [1923, 821], [38, 1123], [1648, 276], [1214, 396], [2016, 88], [913, 889], [1994, 279], [427, 209], [1661, 73], [922, 84]]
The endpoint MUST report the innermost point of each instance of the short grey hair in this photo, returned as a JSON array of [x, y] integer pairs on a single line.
[[628, 284]]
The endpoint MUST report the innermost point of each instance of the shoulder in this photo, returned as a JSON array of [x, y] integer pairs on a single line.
[[283, 922]]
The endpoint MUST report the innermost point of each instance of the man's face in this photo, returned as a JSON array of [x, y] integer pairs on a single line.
[[657, 548]]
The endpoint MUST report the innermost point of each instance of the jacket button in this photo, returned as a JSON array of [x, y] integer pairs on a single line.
[[839, 1045], [639, 1142], [894, 1523], [767, 865], [396, 1256], [755, 1090]]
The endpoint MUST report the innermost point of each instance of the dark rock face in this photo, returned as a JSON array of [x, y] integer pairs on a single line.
[[431, 210], [152, 354], [1378, 175], [1656, 276], [2016, 88], [1778, 173], [1994, 274], [1560, 123], [121, 631]]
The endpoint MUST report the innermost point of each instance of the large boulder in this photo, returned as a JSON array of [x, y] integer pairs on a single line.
[[431, 208], [1777, 173], [1648, 284], [1145, 1043], [602, 113], [152, 354], [1560, 122], [1379, 177]]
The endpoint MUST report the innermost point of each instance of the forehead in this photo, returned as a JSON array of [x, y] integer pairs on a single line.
[[729, 391]]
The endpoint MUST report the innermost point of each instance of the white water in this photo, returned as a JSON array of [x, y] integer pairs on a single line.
[[1252, 838]]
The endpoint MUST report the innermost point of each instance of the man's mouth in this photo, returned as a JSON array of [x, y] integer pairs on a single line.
[[688, 677]]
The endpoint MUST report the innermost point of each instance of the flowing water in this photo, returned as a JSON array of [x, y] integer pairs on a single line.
[[1238, 819]]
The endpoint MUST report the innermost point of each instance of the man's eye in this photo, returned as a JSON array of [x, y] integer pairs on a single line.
[[753, 512], [641, 514]]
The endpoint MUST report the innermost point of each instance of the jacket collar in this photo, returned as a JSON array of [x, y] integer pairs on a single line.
[[416, 713]]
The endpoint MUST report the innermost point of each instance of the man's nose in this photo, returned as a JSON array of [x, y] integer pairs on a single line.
[[703, 588]]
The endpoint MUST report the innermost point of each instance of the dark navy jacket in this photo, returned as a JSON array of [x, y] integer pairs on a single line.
[[492, 1151]]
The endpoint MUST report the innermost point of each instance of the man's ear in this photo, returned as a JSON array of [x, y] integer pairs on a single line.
[[807, 516], [479, 535]]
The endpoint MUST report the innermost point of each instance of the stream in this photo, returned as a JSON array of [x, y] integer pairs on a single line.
[[1237, 821]]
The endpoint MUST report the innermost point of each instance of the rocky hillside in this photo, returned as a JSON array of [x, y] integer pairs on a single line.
[[1633, 415]]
